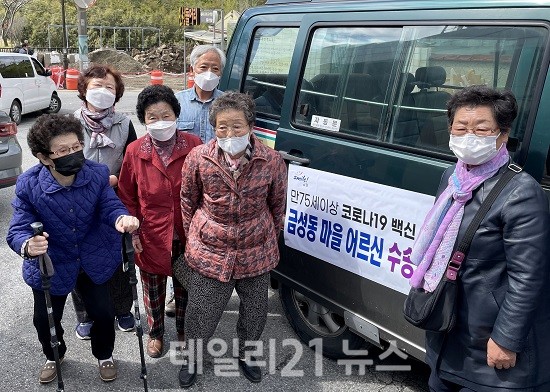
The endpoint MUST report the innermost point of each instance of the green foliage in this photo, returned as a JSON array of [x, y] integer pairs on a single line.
[[163, 14]]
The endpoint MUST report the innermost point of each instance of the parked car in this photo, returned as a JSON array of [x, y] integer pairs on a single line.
[[11, 155], [26, 86], [353, 95]]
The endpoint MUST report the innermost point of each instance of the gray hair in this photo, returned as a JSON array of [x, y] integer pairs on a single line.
[[233, 100], [198, 51]]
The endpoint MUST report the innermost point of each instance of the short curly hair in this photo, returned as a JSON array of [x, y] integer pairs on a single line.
[[503, 104], [99, 71], [233, 100], [153, 94], [47, 127]]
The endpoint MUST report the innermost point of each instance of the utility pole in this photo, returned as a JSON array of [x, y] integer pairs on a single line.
[[223, 40], [82, 39], [65, 43]]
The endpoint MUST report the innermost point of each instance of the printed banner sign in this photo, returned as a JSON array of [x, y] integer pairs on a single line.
[[360, 226]]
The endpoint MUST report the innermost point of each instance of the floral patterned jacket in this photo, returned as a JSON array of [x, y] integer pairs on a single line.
[[232, 225]]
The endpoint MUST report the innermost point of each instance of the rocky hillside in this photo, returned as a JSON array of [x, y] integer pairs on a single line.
[[135, 67]]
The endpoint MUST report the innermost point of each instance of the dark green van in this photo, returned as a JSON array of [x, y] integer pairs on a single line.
[[353, 94]]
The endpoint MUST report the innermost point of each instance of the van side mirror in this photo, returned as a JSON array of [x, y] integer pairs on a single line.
[[48, 72]]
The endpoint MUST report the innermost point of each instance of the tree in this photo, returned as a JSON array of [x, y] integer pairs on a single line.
[[11, 7], [162, 14]]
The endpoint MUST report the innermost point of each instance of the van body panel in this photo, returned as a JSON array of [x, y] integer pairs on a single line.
[[515, 35]]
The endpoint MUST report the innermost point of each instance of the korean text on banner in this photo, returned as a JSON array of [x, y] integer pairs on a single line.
[[365, 228]]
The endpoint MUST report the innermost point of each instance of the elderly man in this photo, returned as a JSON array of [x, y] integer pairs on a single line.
[[207, 64]]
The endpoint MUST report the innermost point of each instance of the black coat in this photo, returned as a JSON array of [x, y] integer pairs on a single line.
[[504, 290]]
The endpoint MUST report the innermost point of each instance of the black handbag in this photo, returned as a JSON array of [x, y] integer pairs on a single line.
[[436, 311]]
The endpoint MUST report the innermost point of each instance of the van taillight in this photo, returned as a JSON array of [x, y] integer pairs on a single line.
[[8, 129]]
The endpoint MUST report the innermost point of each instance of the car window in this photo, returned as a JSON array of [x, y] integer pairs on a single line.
[[347, 72], [391, 84], [8, 67], [24, 68], [40, 70], [270, 57]]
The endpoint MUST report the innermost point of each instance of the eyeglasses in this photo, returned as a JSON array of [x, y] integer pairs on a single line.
[[238, 130], [461, 130], [67, 150]]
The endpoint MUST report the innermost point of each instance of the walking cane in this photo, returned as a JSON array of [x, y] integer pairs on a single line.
[[130, 266], [46, 272]]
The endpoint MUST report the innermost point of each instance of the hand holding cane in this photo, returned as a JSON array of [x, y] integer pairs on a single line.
[[130, 266], [46, 272]]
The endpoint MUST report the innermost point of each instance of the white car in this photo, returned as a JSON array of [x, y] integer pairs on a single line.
[[26, 86]]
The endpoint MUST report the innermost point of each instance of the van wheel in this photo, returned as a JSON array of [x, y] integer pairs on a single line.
[[55, 104], [15, 112], [311, 320]]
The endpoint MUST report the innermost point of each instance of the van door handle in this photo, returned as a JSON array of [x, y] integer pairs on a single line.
[[294, 159]]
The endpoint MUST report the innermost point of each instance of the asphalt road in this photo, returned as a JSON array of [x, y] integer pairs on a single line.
[[290, 365]]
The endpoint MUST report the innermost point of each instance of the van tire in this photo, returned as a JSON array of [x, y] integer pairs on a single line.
[[55, 104], [15, 112], [331, 327]]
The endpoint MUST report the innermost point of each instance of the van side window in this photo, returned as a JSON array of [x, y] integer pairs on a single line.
[[349, 79], [40, 70], [444, 59], [24, 68], [8, 67], [269, 63], [391, 84]]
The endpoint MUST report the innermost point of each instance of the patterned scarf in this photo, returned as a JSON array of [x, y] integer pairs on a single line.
[[236, 165], [98, 122], [165, 148], [433, 247]]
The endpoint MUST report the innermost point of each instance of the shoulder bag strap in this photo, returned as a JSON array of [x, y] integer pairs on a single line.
[[460, 253]]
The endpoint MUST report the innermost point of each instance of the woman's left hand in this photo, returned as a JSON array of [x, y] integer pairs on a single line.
[[499, 357], [127, 224], [113, 181]]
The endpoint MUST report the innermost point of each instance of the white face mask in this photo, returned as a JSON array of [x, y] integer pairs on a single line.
[[233, 145], [100, 98], [161, 130], [472, 149], [207, 81]]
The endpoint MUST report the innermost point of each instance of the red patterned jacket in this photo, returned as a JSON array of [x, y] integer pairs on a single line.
[[232, 226]]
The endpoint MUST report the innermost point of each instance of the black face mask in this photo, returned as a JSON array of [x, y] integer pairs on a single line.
[[69, 164]]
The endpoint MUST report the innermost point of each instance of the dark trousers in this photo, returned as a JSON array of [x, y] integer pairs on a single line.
[[121, 295], [436, 384], [97, 302]]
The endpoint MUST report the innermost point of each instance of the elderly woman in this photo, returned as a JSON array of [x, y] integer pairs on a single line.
[[149, 186], [499, 342], [232, 202], [106, 136], [72, 197]]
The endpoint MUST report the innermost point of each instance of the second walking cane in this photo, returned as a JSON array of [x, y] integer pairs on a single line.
[[130, 266]]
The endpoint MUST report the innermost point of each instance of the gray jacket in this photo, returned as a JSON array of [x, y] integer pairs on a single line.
[[504, 292], [119, 133]]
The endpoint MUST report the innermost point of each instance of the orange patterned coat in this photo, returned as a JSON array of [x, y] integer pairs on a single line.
[[232, 225]]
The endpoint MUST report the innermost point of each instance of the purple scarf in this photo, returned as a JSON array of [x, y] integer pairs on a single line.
[[435, 242], [98, 122]]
